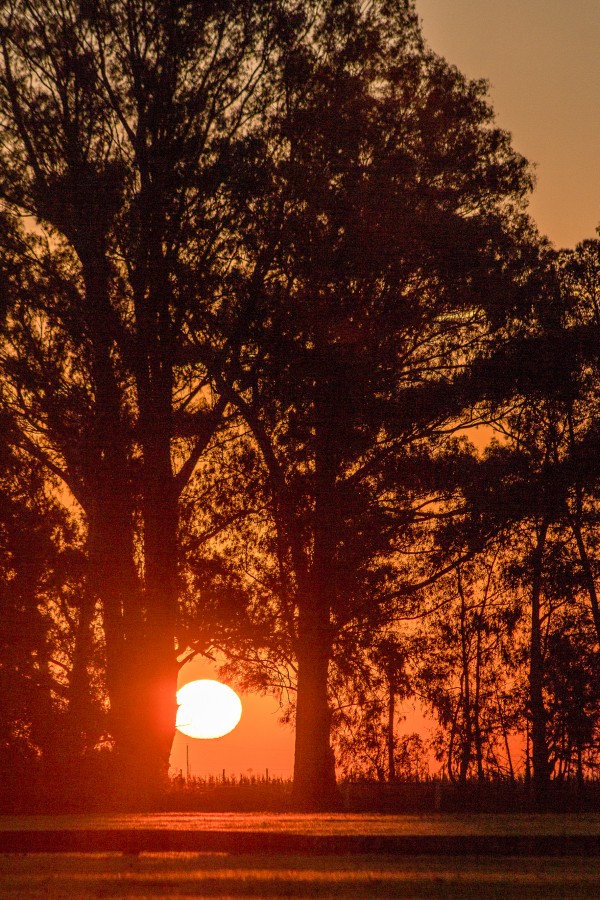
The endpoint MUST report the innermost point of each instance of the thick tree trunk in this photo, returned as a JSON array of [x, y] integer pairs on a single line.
[[115, 581], [111, 538], [154, 368], [80, 710], [539, 746], [160, 513], [314, 765], [161, 597]]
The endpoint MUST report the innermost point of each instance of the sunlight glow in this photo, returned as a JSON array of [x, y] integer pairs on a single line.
[[207, 709]]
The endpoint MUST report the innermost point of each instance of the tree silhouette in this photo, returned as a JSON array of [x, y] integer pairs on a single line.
[[120, 121], [382, 234]]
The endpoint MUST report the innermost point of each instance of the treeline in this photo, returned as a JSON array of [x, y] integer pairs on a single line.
[[263, 267]]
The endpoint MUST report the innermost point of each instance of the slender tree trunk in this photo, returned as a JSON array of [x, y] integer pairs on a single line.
[[527, 755], [506, 742], [580, 778], [467, 740], [588, 574], [477, 708], [479, 668], [453, 732], [539, 753], [391, 742]]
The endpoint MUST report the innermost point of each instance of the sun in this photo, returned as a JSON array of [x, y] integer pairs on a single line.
[[207, 709]]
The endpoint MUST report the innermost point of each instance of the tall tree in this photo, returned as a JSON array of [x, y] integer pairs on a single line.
[[122, 121], [378, 245]]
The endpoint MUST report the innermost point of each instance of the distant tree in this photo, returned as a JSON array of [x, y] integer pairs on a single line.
[[573, 688], [579, 277], [370, 686], [464, 667], [533, 488]]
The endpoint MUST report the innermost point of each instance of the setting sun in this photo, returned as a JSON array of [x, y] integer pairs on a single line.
[[207, 709]]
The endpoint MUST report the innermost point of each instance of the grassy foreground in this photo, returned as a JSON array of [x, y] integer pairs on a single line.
[[324, 824], [219, 875]]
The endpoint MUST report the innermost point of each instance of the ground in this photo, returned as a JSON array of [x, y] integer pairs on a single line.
[[321, 875], [215, 875]]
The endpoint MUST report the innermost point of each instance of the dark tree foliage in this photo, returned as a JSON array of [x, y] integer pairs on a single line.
[[120, 121], [541, 482], [380, 241], [50, 715]]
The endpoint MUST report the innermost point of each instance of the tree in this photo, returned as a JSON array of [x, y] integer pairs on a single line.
[[50, 712], [377, 247], [122, 121], [365, 722], [465, 666], [533, 489], [579, 277]]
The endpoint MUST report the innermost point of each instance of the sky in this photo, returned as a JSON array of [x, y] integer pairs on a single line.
[[258, 743], [542, 59]]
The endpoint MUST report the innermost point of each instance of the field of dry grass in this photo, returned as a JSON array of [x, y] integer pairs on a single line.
[[297, 873], [333, 824], [219, 875]]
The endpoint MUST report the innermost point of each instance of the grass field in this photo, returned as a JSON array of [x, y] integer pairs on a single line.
[[215, 875], [299, 874], [334, 824]]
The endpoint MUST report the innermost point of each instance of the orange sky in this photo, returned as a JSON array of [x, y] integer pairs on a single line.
[[543, 61], [258, 743]]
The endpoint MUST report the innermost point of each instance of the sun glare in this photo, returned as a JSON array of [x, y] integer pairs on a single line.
[[207, 709]]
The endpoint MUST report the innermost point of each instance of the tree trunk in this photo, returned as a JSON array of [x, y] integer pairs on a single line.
[[391, 743], [80, 710], [154, 373], [539, 746], [159, 671], [527, 755], [452, 738], [478, 738], [314, 762], [111, 537], [506, 742], [114, 581], [466, 749], [588, 574]]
